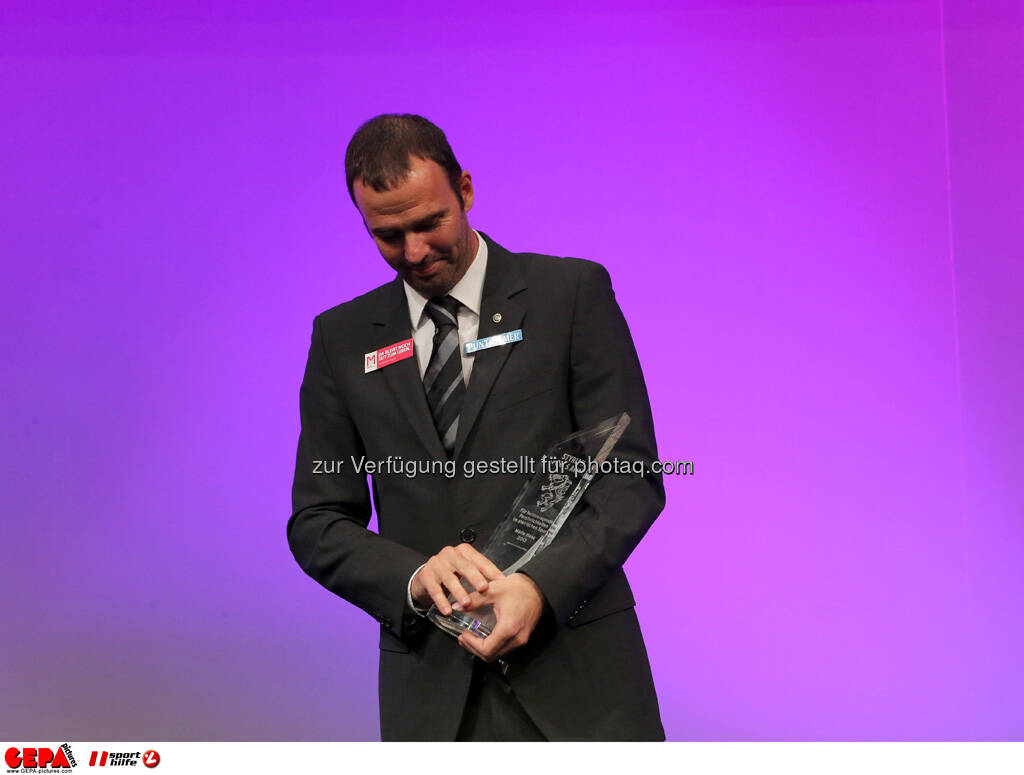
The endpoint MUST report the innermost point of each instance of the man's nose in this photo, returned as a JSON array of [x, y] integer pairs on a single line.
[[416, 248]]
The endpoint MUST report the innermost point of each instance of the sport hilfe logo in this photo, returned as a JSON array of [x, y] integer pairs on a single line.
[[40, 758], [148, 758]]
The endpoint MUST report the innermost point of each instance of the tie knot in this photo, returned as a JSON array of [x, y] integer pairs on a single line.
[[444, 312]]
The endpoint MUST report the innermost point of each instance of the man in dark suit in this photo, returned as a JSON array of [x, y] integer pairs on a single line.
[[388, 380]]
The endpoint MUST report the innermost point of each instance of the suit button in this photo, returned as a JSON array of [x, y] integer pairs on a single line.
[[467, 535]]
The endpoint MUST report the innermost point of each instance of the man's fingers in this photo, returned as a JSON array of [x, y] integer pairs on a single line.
[[430, 579], [455, 588], [482, 648], [477, 600], [437, 594], [439, 575], [471, 643], [498, 643], [475, 578], [472, 566], [454, 572], [478, 562]]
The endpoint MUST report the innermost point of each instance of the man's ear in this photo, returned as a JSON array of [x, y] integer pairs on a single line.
[[466, 189]]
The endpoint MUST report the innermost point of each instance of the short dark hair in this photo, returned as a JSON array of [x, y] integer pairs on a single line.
[[379, 152]]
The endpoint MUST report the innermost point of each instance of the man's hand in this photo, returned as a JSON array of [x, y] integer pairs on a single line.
[[442, 573], [518, 604]]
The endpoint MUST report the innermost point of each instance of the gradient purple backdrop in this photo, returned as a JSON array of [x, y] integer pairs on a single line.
[[812, 216]]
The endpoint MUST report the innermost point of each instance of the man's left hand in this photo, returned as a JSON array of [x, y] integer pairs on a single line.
[[518, 604]]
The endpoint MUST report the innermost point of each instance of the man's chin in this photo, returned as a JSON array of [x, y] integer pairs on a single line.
[[429, 287]]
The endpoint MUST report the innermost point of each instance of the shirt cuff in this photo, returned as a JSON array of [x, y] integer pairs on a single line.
[[421, 612]]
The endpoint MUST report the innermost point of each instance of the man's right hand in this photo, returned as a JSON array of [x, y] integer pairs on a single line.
[[442, 573]]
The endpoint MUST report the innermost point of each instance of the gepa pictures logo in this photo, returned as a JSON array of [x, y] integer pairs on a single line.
[[39, 758]]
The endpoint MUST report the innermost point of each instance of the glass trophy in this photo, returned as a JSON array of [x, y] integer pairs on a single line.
[[537, 514]]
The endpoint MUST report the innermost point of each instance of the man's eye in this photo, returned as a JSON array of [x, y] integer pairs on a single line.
[[389, 237]]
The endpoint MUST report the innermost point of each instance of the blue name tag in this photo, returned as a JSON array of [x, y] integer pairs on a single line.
[[494, 341]]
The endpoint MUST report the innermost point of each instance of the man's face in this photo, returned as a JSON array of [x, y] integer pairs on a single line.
[[419, 227]]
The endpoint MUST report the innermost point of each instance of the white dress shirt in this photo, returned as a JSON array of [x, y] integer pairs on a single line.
[[469, 292]]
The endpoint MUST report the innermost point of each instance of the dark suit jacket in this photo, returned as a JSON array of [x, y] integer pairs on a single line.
[[584, 675]]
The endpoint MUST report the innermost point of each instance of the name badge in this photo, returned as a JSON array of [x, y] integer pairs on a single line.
[[494, 341], [385, 356]]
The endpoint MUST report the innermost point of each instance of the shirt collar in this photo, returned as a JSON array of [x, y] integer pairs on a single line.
[[468, 291]]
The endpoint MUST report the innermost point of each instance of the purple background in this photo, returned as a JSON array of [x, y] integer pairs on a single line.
[[812, 215]]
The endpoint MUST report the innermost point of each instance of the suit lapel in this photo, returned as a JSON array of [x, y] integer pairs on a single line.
[[502, 281], [403, 378]]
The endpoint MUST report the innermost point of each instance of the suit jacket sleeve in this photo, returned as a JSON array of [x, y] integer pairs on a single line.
[[618, 508], [327, 531]]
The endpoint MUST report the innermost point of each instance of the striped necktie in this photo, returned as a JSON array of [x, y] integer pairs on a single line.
[[443, 378]]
